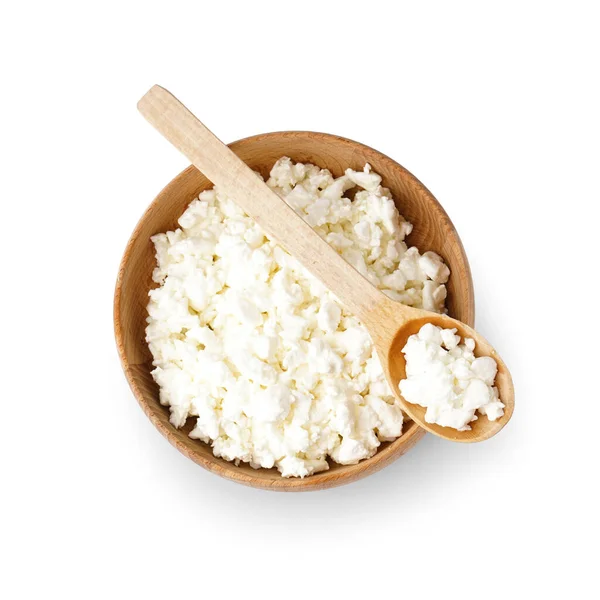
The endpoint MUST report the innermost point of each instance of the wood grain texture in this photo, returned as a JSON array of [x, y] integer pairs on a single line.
[[433, 230]]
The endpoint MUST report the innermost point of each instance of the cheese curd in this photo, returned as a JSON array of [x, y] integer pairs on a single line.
[[444, 376], [274, 370]]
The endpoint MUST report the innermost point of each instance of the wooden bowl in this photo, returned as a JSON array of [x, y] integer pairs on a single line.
[[433, 230]]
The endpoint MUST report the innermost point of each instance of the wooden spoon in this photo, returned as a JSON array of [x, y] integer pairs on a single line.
[[389, 323]]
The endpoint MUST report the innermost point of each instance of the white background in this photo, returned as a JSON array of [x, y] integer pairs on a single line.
[[494, 106]]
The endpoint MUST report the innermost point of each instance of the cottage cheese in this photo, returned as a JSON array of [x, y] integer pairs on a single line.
[[444, 376], [274, 370]]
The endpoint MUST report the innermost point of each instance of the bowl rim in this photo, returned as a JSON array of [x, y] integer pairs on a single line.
[[227, 469]]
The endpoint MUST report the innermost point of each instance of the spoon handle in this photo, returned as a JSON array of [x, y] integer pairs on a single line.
[[234, 178]]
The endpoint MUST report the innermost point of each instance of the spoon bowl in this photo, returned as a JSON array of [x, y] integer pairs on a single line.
[[395, 367]]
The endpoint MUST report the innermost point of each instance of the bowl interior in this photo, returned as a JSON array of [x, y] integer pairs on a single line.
[[433, 230]]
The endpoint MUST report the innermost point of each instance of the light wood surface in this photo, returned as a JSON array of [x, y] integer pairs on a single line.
[[433, 230], [389, 322]]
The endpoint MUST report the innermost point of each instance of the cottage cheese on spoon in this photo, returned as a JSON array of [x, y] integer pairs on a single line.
[[444, 376]]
